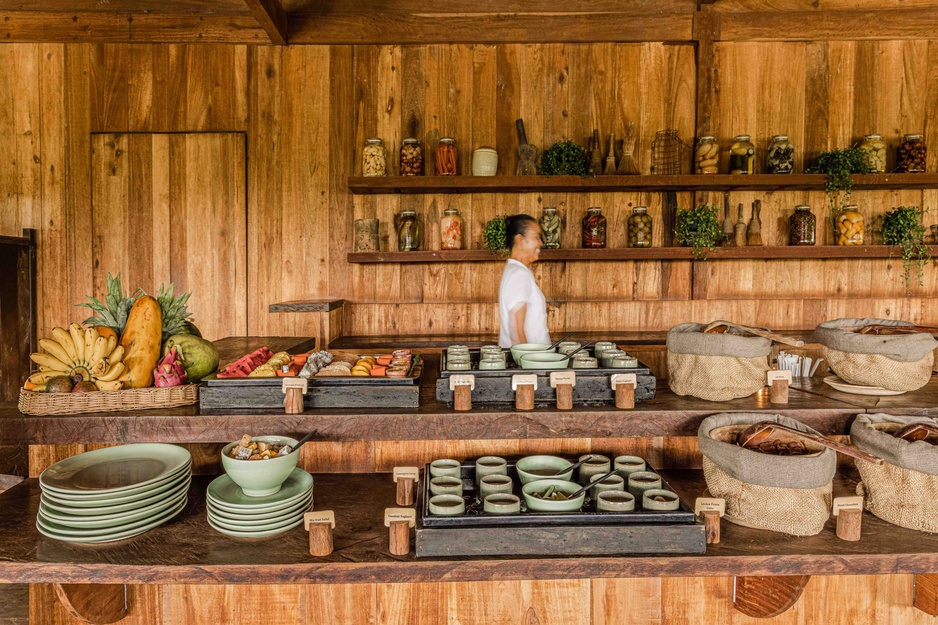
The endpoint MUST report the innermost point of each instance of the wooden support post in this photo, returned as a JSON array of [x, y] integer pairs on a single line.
[[462, 387], [320, 524], [765, 597], [926, 593], [849, 514], [710, 509], [778, 382], [293, 391], [406, 480], [624, 386], [98, 604], [524, 386], [399, 521], [563, 383]]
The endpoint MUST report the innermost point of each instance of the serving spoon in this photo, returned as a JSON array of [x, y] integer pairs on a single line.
[[759, 432]]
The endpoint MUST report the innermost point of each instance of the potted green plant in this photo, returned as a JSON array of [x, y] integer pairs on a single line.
[[699, 228], [839, 165], [564, 158], [493, 236], [903, 228]]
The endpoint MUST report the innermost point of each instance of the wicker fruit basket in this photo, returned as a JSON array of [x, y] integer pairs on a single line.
[[34, 403]]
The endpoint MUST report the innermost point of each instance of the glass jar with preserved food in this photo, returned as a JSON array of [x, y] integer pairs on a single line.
[[408, 231], [451, 230], [742, 155], [594, 228], [551, 228], [444, 159], [411, 158], [849, 226], [639, 227], [780, 156], [875, 149], [374, 158], [802, 226], [912, 155], [707, 156]]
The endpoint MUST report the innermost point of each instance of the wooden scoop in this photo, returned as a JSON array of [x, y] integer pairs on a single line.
[[886, 330], [759, 432], [720, 327], [919, 432]]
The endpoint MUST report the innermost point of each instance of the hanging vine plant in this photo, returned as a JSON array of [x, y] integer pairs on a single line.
[[903, 228], [700, 229], [493, 236], [839, 165]]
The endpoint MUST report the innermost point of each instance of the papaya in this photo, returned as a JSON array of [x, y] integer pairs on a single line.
[[142, 339]]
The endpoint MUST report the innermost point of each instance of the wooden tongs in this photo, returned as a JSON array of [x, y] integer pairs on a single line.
[[759, 432], [919, 432], [887, 330], [721, 327]]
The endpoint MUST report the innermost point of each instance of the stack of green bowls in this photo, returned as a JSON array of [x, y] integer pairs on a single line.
[[232, 512]]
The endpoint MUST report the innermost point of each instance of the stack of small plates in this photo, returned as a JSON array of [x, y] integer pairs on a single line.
[[113, 493], [232, 512]]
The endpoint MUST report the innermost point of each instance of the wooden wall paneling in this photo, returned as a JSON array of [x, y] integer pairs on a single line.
[[349, 604], [368, 98], [410, 604], [636, 601], [195, 604], [42, 457]]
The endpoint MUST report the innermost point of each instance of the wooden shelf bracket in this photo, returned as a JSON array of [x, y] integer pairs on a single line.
[[926, 593], [98, 604], [765, 597]]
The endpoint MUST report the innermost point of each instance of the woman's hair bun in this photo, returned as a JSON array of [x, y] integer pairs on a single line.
[[515, 225]]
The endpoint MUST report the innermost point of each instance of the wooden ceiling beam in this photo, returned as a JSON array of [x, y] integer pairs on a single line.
[[271, 17]]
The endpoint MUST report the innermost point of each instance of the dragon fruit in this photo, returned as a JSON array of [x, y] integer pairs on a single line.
[[170, 371]]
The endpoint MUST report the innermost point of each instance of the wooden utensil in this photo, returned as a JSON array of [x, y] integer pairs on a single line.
[[527, 153], [728, 228], [754, 231], [882, 330], [740, 229], [714, 328], [759, 432], [919, 432], [611, 157], [596, 154]]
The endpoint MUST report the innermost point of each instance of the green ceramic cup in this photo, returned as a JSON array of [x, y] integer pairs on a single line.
[[502, 503], [641, 481], [613, 482], [447, 505], [446, 485], [627, 465], [494, 484], [660, 499], [615, 501]]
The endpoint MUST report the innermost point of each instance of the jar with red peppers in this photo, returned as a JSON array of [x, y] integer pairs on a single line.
[[451, 230], [444, 161], [594, 228], [912, 155]]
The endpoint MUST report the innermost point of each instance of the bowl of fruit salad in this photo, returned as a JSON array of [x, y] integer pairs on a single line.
[[260, 464]]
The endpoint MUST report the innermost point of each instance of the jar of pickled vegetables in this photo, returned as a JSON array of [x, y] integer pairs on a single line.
[[408, 231], [802, 226], [707, 156], [374, 159], [451, 230], [780, 156], [849, 226], [875, 149], [912, 155], [444, 161], [411, 158], [639, 227], [551, 228], [594, 228], [742, 155]]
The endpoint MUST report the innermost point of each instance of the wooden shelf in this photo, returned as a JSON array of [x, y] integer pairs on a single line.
[[309, 305], [651, 253], [604, 184]]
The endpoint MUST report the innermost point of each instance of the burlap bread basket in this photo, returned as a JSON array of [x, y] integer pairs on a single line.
[[716, 367], [787, 494], [904, 491], [901, 362]]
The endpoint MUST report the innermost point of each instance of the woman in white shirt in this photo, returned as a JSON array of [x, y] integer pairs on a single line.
[[522, 309]]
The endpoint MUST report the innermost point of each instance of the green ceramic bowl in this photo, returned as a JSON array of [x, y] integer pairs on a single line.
[[258, 478], [544, 360], [519, 350], [533, 468], [549, 505]]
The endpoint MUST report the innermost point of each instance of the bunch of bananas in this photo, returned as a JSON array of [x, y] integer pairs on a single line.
[[82, 354]]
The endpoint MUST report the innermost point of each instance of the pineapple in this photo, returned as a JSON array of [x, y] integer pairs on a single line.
[[175, 315], [113, 312]]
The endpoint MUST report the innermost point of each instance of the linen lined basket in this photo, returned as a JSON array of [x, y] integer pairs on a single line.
[[787, 494], [716, 367], [901, 362], [904, 491]]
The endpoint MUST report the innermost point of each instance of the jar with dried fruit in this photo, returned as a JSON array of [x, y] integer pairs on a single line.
[[444, 159], [639, 227], [411, 158], [780, 156], [451, 230], [408, 231], [802, 226], [849, 226], [551, 228], [742, 155], [594, 228], [374, 159], [707, 156], [875, 149], [912, 155]]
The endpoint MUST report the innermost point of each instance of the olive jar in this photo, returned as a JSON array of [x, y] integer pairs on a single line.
[[594, 228], [551, 228], [707, 156], [374, 159], [875, 149], [445, 158], [639, 227], [408, 231], [802, 226], [451, 230], [911, 155], [780, 156], [742, 155], [411, 158], [849, 226]]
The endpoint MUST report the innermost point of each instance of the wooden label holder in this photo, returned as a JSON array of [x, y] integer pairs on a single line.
[[711, 509], [320, 524], [778, 382], [406, 480], [462, 386], [563, 382], [849, 514], [524, 385], [293, 391], [624, 385], [399, 521]]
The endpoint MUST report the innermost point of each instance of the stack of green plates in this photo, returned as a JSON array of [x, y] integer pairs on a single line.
[[232, 512], [113, 493]]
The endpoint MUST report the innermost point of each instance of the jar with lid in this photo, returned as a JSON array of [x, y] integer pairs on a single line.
[[802, 226], [639, 227], [594, 228], [374, 159], [742, 155], [551, 228], [408, 231], [707, 156], [912, 155], [484, 161], [780, 156], [444, 159], [411, 158], [875, 149], [849, 226], [451, 230]]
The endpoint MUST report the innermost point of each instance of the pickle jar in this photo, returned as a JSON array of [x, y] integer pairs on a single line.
[[875, 149], [849, 226], [551, 228], [411, 158], [374, 159], [639, 227], [707, 156], [802, 226], [451, 230], [780, 156], [912, 155], [444, 159], [408, 231], [594, 228], [742, 155]]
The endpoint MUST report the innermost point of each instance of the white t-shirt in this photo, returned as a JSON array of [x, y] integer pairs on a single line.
[[518, 288]]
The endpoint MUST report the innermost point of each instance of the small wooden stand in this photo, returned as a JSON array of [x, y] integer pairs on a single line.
[[624, 386], [710, 509], [926, 593], [320, 524], [406, 480], [399, 521], [849, 514], [778, 382], [94, 603], [563, 382], [524, 385], [293, 391], [462, 387]]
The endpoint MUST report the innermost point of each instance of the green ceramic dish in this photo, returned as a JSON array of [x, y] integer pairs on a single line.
[[228, 495], [113, 469], [109, 520], [259, 478], [257, 526], [122, 505], [519, 350], [227, 515], [258, 534], [54, 530], [529, 468], [548, 505], [106, 497], [544, 360]]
